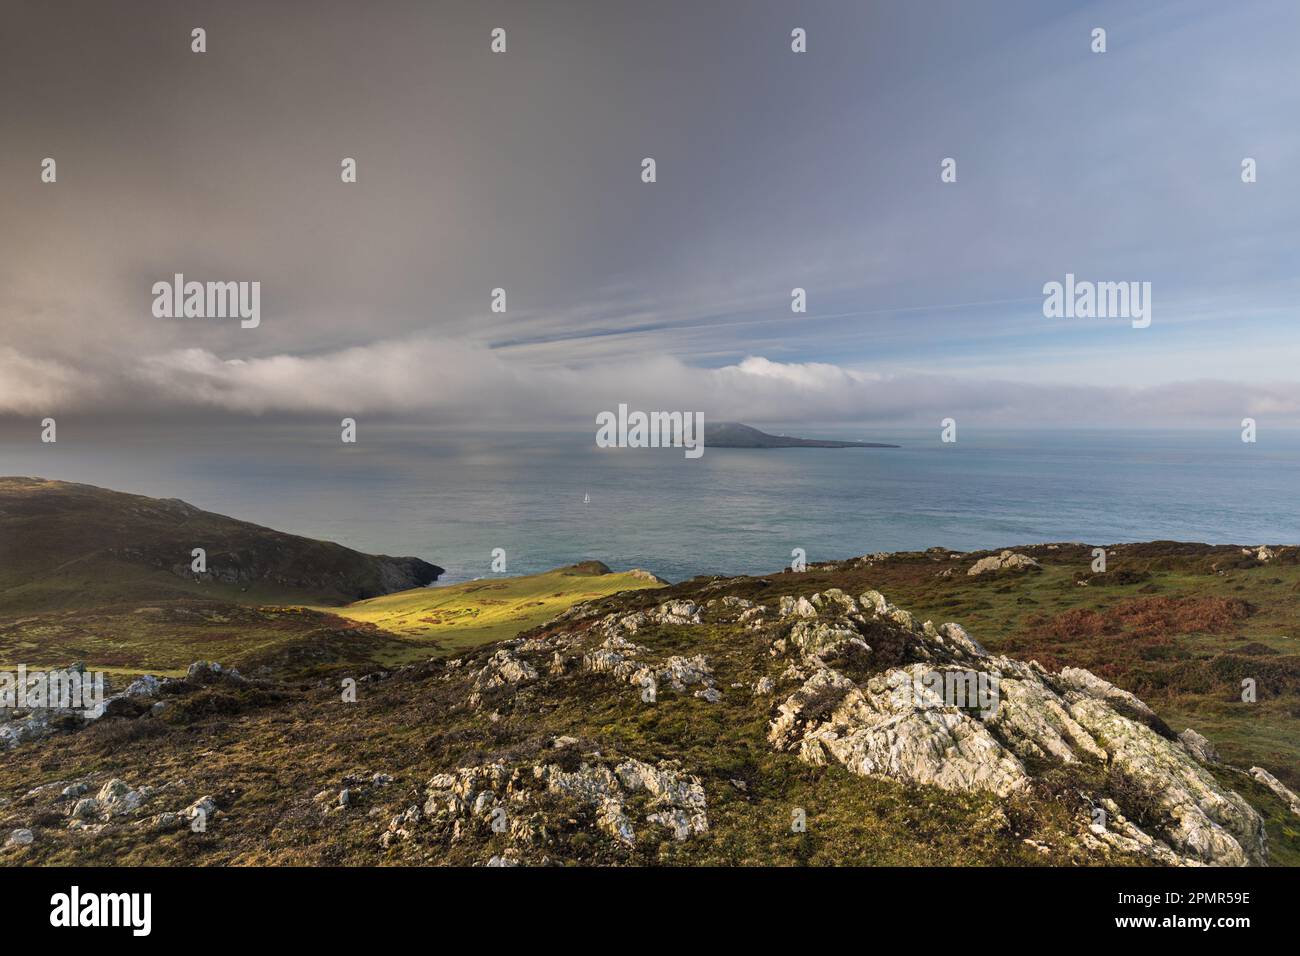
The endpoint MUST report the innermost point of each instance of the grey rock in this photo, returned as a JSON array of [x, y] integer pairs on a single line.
[[1006, 561], [1278, 787], [1200, 748], [146, 686], [897, 725], [117, 798]]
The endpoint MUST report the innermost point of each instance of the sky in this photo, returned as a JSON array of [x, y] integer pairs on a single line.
[[522, 170]]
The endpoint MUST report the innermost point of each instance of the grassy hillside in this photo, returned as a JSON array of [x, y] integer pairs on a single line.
[[88, 574], [277, 758], [84, 575], [165, 637], [447, 620], [102, 577], [66, 545]]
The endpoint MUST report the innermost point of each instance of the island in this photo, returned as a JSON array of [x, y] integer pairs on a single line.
[[736, 435]]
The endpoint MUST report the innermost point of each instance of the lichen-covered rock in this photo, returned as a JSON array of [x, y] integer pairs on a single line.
[[681, 672], [1115, 831], [1035, 722], [801, 711], [875, 604], [207, 672], [502, 670], [815, 638], [962, 719], [117, 798], [145, 686], [1089, 684], [730, 602], [1210, 823], [796, 607], [676, 612], [1200, 748], [1278, 787], [203, 809], [616, 655], [961, 644], [507, 800], [1005, 561], [630, 662], [880, 731]]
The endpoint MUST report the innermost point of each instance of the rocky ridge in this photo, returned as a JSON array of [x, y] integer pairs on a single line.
[[652, 726], [875, 709], [918, 736]]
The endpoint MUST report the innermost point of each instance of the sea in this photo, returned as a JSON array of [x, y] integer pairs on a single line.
[[550, 499]]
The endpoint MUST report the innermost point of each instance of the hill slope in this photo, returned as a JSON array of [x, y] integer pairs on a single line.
[[72, 545], [740, 721]]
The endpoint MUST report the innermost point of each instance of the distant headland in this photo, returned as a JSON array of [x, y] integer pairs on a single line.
[[736, 435]]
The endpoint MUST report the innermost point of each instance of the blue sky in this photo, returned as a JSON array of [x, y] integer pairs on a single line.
[[775, 170]]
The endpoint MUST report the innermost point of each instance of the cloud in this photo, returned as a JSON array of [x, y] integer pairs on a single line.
[[776, 172], [803, 376], [34, 386], [463, 383]]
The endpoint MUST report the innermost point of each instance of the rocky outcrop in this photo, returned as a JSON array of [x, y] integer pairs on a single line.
[[1278, 787], [635, 664], [355, 790], [25, 724], [147, 695], [502, 669], [956, 717], [874, 730], [514, 801], [641, 574], [1263, 553], [114, 806], [1090, 685], [1005, 561], [1210, 824], [1199, 747]]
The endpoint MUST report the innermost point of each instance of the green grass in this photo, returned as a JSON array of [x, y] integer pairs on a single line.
[[447, 620], [163, 637]]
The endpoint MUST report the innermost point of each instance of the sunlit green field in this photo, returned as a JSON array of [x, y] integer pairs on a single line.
[[163, 637], [445, 620]]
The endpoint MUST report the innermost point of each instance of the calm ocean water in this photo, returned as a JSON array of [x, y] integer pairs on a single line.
[[452, 498]]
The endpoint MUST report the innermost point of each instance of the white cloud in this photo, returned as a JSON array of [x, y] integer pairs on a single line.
[[32, 386], [469, 384]]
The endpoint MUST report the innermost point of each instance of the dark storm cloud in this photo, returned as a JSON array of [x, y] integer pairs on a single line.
[[775, 170]]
